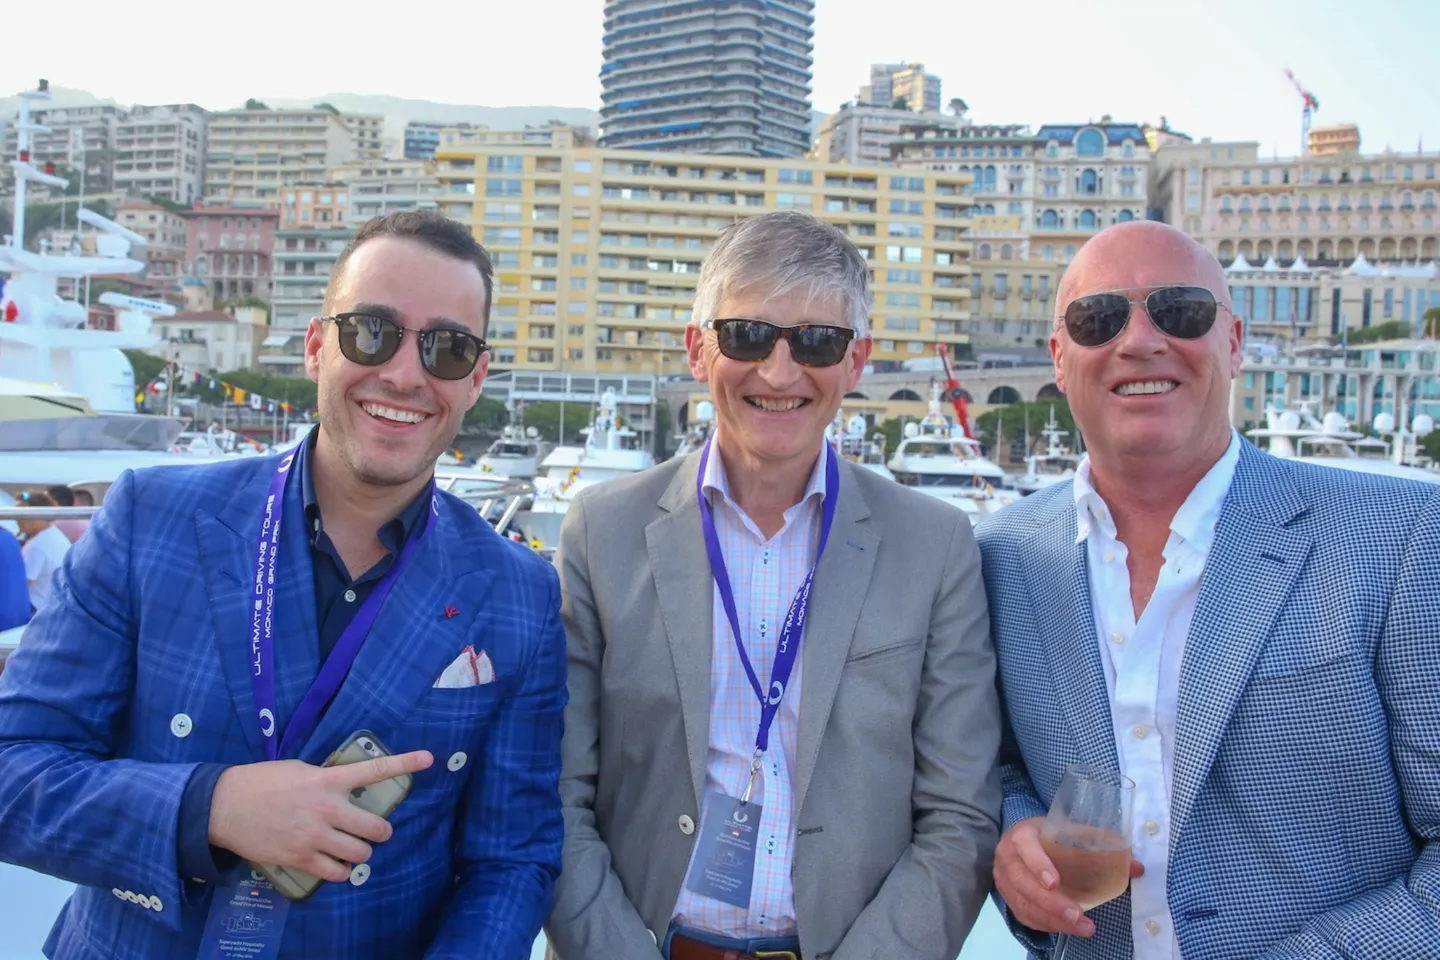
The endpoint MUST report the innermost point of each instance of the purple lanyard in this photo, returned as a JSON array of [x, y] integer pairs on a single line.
[[262, 625], [793, 629]]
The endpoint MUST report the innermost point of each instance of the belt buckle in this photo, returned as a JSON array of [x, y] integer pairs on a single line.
[[776, 955]]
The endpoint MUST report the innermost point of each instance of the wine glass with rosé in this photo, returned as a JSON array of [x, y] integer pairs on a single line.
[[1087, 837]]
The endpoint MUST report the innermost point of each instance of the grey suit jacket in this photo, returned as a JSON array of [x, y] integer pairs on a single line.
[[897, 792]]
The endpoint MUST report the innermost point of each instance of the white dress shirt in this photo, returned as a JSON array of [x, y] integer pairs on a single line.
[[1142, 672], [765, 575]]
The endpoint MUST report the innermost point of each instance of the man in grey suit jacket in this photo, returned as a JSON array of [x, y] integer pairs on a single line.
[[877, 797], [1251, 639]]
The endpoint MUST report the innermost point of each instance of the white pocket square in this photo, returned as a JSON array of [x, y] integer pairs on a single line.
[[470, 669]]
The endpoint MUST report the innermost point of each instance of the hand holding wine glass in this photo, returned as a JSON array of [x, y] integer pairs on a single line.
[[1086, 835]]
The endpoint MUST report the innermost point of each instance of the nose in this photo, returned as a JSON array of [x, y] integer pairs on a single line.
[[780, 369], [1141, 337], [404, 373]]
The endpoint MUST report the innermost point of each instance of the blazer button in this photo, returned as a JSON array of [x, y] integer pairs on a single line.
[[360, 874], [687, 826], [156, 905], [119, 894], [181, 726]]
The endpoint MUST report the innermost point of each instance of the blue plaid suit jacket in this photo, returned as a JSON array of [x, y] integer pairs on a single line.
[[152, 620], [1307, 769]]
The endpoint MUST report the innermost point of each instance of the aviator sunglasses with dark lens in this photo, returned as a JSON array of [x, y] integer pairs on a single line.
[[370, 341], [811, 344], [1185, 313]]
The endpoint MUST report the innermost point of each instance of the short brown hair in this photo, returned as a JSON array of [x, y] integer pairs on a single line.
[[35, 498], [434, 230]]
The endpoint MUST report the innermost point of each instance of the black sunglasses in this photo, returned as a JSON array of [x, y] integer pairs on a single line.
[[1185, 313], [370, 341], [811, 344]]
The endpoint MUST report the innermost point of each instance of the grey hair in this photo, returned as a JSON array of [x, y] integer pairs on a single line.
[[782, 253]]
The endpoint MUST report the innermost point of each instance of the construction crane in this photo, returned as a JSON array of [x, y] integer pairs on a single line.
[[953, 391], [1311, 104]]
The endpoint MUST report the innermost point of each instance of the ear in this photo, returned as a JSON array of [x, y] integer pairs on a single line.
[[1057, 357], [855, 363], [695, 353], [1237, 346], [477, 378], [314, 341]]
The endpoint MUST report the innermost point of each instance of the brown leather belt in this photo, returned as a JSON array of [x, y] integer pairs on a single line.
[[683, 948]]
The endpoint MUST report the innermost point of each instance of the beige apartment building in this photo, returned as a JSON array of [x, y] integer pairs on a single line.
[[1328, 208], [253, 155], [74, 132], [160, 152], [211, 341], [389, 186], [367, 131], [597, 251], [1301, 303], [165, 234], [1033, 199]]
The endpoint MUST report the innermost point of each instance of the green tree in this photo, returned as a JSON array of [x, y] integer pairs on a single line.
[[167, 203], [544, 416], [1389, 330], [147, 366], [487, 416], [253, 104], [1430, 445], [1015, 417], [1432, 322], [298, 391], [660, 440]]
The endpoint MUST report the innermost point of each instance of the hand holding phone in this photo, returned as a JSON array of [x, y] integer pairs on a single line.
[[300, 825]]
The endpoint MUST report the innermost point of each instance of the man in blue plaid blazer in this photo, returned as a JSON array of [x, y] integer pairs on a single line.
[[136, 742], [1254, 642]]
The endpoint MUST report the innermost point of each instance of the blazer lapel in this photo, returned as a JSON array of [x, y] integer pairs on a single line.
[[686, 592], [1253, 563], [411, 642], [1058, 579], [841, 582], [227, 547]]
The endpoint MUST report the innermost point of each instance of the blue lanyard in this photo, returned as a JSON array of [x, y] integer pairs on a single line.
[[788, 647], [262, 625]]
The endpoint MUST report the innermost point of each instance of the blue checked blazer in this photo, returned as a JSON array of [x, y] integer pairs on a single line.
[[152, 620], [1306, 796]]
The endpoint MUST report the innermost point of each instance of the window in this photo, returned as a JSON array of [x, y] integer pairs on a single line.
[[577, 283], [793, 176], [1087, 220], [542, 331], [1089, 182], [541, 356], [503, 188], [904, 254], [1050, 220], [504, 164], [1090, 143], [902, 276], [582, 166]]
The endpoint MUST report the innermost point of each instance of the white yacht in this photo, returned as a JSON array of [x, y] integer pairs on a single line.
[[1329, 441], [611, 450], [1057, 463], [69, 413], [517, 453], [937, 458], [851, 444]]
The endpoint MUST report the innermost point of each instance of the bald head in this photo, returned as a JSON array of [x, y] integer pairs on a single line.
[[1141, 253]]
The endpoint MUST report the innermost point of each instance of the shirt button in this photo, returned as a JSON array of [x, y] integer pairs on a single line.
[[360, 874], [1140, 730], [1116, 638], [181, 726], [1152, 928], [1109, 555], [456, 761], [1151, 827], [349, 596], [1084, 530], [687, 826]]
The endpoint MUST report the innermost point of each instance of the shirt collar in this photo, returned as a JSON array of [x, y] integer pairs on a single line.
[[392, 534], [716, 482], [1194, 522]]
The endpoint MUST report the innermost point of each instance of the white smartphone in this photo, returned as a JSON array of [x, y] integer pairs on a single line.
[[380, 799]]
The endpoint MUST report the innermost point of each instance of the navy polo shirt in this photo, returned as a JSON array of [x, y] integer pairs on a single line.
[[337, 598]]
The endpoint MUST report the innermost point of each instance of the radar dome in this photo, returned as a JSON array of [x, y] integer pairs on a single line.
[[1422, 425], [1289, 420], [912, 429], [705, 411], [1335, 422], [1385, 423]]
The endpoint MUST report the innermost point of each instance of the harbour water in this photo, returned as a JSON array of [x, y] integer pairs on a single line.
[[31, 903]]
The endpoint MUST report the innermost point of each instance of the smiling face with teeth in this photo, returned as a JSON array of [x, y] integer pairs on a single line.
[[771, 416], [1145, 397], [385, 425]]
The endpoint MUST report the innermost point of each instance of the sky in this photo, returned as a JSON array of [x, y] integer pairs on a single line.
[[1214, 68]]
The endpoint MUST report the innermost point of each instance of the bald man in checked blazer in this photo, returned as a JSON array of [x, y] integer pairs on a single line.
[[1255, 642]]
